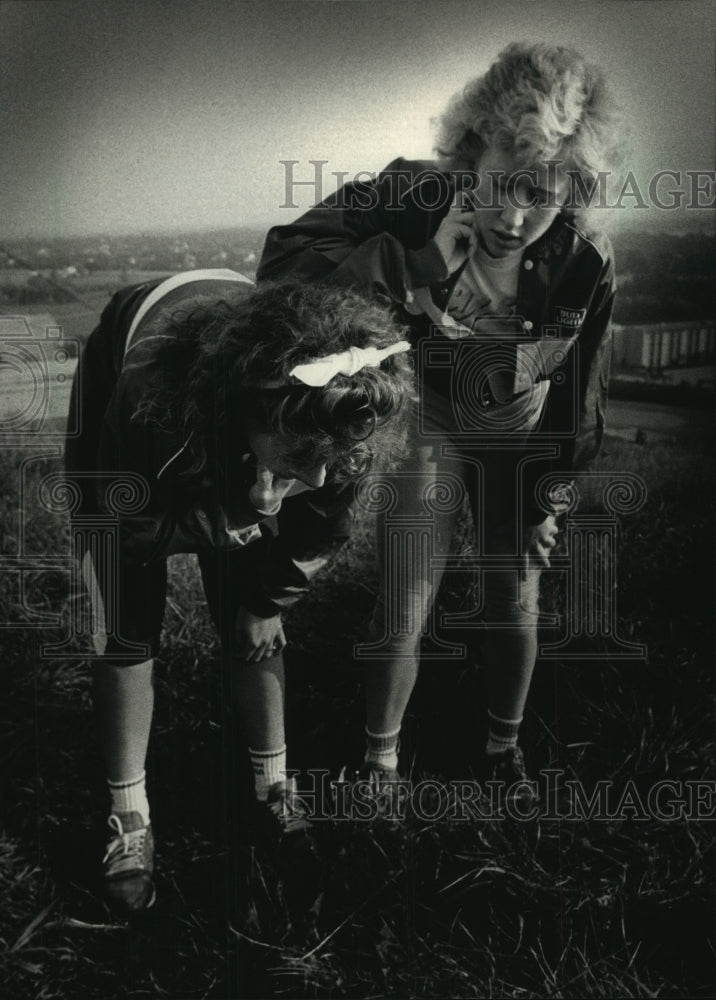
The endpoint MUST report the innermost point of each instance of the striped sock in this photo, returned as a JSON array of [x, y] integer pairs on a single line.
[[130, 796], [269, 768], [382, 749], [502, 734]]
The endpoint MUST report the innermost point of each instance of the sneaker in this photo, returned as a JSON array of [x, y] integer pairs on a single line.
[[129, 863], [508, 768], [283, 838], [378, 793], [283, 814]]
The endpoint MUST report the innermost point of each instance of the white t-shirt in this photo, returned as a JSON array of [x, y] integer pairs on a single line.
[[486, 287], [485, 293]]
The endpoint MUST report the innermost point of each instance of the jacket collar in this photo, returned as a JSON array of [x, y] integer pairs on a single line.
[[556, 242]]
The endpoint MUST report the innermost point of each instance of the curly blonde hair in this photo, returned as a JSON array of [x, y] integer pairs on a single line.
[[542, 102]]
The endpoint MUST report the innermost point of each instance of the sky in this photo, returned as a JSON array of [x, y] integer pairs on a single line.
[[126, 116]]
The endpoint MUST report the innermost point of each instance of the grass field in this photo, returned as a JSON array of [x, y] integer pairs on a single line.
[[619, 907]]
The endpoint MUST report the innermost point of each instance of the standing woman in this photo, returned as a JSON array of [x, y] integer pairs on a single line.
[[244, 416], [489, 256]]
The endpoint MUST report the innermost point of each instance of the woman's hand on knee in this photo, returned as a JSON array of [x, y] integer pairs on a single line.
[[539, 541], [258, 638]]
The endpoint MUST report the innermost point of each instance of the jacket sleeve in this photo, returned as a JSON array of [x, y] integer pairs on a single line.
[[364, 236], [311, 528], [581, 407], [595, 357]]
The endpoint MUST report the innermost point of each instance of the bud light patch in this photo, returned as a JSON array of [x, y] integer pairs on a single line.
[[569, 317]]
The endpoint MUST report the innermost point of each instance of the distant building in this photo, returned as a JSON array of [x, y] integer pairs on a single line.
[[674, 352]]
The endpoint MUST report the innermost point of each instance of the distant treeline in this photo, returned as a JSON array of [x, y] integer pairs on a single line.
[[36, 291], [662, 277]]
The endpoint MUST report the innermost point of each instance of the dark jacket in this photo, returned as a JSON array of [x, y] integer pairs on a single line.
[[186, 511], [378, 236]]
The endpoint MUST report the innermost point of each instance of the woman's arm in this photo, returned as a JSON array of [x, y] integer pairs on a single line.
[[376, 236], [594, 347], [579, 411], [311, 528]]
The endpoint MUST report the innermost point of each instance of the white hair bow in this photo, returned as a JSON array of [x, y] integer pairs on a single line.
[[322, 370]]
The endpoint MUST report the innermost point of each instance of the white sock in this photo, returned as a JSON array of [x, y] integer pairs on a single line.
[[502, 734], [382, 749], [130, 796], [269, 769]]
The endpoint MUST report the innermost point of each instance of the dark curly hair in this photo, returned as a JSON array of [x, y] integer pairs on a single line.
[[225, 367]]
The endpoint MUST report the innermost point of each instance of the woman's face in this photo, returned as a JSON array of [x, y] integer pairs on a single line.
[[514, 206], [278, 474]]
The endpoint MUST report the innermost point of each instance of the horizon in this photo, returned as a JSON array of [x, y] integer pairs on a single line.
[[687, 222]]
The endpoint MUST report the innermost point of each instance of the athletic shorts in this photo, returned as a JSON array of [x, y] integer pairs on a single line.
[[127, 601]]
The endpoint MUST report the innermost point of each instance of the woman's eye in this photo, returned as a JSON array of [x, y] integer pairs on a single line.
[[544, 199]]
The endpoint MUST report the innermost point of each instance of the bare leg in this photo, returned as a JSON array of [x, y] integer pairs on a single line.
[[257, 691], [124, 703], [409, 585], [510, 652]]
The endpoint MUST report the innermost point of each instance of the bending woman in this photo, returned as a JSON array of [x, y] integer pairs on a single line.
[[242, 418], [489, 255]]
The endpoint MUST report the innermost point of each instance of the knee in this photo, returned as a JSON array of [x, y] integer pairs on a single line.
[[240, 663], [403, 604], [396, 628], [114, 680], [112, 666], [513, 599]]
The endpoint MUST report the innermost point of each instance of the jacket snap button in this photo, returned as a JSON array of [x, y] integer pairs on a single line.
[[529, 264]]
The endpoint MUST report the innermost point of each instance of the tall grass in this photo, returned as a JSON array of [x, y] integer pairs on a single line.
[[598, 908]]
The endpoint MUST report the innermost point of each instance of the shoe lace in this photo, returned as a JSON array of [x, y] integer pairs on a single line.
[[510, 766], [389, 793], [125, 852], [290, 812], [518, 762]]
